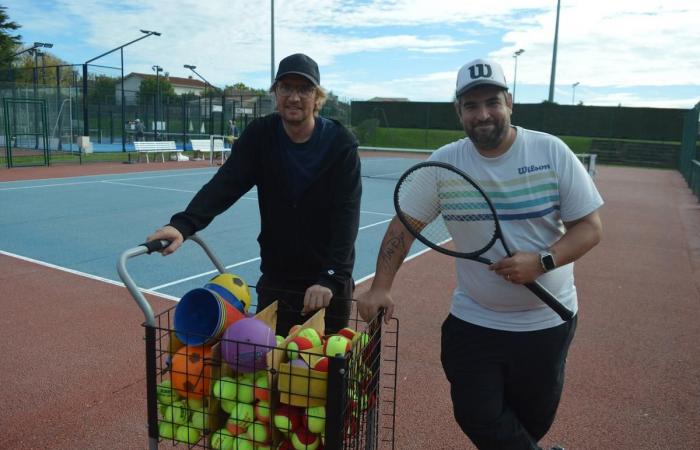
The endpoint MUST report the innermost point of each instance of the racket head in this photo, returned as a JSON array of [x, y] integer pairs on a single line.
[[437, 202]]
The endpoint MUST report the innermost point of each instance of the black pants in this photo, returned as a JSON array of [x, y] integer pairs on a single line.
[[290, 297], [505, 386]]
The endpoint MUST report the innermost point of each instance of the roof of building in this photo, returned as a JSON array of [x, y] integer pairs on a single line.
[[388, 99]]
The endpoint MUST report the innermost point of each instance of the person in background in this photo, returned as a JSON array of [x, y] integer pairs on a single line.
[[503, 350], [307, 172], [138, 130]]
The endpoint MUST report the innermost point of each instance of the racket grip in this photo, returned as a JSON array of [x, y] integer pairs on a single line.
[[550, 300]]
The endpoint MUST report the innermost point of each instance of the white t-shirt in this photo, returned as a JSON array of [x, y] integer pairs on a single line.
[[535, 186]]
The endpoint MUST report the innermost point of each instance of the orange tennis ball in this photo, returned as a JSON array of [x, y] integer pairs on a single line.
[[321, 365], [336, 344], [348, 333], [296, 345], [191, 371]]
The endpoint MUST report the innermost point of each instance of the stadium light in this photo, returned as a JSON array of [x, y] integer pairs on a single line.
[[206, 83], [515, 75], [86, 125], [573, 94], [34, 47], [554, 56]]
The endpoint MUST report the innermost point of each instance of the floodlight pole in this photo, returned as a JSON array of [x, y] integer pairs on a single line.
[[206, 83], [573, 94], [156, 106], [86, 125], [272, 41], [554, 56], [515, 74]]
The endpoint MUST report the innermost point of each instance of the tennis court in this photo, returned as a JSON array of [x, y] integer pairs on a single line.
[[74, 359]]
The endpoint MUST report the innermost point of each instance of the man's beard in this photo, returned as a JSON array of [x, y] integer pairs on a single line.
[[487, 140]]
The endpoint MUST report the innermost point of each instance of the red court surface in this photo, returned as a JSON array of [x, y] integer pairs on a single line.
[[73, 360]]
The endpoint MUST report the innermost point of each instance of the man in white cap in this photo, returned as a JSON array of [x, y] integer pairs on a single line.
[[307, 172], [503, 350]]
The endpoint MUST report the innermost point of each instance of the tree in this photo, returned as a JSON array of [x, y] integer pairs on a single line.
[[23, 69], [336, 109], [241, 89], [8, 41], [103, 89], [147, 90]]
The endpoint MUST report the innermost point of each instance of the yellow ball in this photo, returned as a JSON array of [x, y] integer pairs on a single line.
[[187, 435], [232, 288]]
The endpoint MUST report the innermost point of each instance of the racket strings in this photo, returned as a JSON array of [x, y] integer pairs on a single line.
[[441, 205]]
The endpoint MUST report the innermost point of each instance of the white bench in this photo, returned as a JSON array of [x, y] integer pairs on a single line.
[[211, 146], [161, 147]]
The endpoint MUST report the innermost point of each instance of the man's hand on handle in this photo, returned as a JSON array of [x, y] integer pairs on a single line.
[[370, 302], [167, 233]]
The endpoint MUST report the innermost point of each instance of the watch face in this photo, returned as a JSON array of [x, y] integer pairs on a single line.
[[547, 261]]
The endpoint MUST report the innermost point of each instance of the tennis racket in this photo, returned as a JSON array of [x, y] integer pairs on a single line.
[[436, 201]]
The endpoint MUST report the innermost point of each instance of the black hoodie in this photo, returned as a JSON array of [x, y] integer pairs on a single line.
[[311, 237]]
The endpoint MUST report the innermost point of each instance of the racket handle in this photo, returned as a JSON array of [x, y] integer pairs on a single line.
[[550, 300]]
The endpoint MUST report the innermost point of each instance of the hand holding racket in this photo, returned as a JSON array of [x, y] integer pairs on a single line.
[[436, 201]]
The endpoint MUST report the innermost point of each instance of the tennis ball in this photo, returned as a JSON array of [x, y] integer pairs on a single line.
[[279, 340], [362, 338], [242, 415], [315, 419], [302, 439], [258, 432], [228, 405], [166, 394], [245, 392], [321, 364], [262, 386], [242, 443], [221, 440], [262, 411], [166, 430], [287, 418], [198, 420], [296, 345], [225, 388], [336, 345], [234, 429], [312, 335], [195, 404], [187, 434], [176, 413], [347, 332]]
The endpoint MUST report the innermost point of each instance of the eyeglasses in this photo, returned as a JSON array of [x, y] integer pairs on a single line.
[[304, 91]]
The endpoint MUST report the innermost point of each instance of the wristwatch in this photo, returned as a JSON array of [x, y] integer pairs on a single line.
[[547, 261]]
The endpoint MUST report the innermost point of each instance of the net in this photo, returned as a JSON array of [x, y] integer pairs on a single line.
[[389, 163]]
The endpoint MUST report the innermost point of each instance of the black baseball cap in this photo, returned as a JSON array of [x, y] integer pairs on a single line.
[[299, 64]]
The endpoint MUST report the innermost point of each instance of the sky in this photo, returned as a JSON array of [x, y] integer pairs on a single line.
[[637, 53]]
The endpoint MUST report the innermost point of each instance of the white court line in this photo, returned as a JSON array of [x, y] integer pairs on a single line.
[[166, 189], [83, 274], [203, 274], [378, 213]]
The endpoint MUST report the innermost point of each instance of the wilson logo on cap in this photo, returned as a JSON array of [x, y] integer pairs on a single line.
[[480, 71]]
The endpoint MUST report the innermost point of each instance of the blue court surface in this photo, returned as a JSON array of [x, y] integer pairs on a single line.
[[83, 224]]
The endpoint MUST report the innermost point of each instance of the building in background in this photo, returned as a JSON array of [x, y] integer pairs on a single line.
[[132, 84]]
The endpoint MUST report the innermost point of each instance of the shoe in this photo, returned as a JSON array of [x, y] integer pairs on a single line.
[[558, 447]]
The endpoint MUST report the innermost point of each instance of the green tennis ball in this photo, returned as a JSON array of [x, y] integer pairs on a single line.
[[246, 388], [262, 411], [242, 443], [176, 413], [279, 340], [166, 430], [362, 338], [302, 439], [242, 415], [198, 420], [262, 386], [221, 440], [187, 435], [312, 335], [336, 345], [165, 393], [195, 404], [258, 432], [225, 388], [315, 418], [228, 405]]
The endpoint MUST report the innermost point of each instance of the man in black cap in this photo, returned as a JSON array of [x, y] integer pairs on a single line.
[[307, 172]]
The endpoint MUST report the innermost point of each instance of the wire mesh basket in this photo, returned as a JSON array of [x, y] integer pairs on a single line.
[[243, 391]]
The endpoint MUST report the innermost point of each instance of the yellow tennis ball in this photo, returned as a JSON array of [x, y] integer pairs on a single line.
[[242, 415], [228, 405], [245, 388], [176, 413], [315, 418], [187, 435], [198, 420], [222, 440], [166, 430], [225, 388], [242, 443], [312, 335], [165, 393], [195, 404], [336, 345], [258, 432], [262, 411]]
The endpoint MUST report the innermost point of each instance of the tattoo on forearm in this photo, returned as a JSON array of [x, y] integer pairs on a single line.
[[393, 251]]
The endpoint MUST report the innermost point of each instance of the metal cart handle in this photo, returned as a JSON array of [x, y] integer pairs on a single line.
[[148, 248]]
